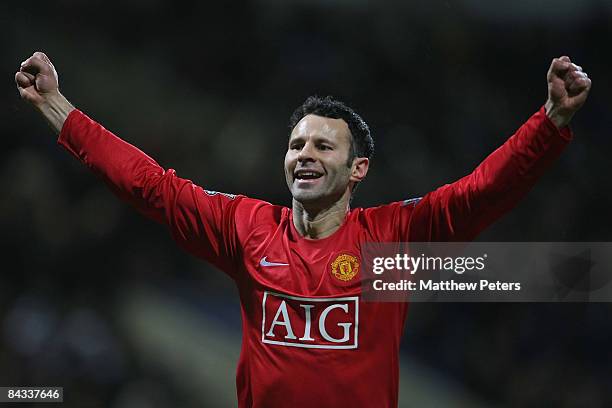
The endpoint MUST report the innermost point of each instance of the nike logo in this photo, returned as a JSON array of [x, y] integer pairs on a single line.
[[264, 262]]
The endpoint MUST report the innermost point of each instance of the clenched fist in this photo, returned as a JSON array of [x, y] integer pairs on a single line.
[[37, 79], [568, 88], [38, 84]]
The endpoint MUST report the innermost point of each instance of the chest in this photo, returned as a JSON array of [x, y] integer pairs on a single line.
[[327, 267]]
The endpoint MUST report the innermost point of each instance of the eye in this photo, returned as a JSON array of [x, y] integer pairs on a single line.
[[296, 146], [325, 147]]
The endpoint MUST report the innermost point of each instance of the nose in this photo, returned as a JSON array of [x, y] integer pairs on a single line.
[[306, 153]]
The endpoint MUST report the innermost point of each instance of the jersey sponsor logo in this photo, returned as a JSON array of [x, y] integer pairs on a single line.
[[345, 267], [317, 323], [214, 193], [264, 262]]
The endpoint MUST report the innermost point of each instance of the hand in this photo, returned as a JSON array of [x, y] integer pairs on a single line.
[[568, 88], [38, 84], [37, 80]]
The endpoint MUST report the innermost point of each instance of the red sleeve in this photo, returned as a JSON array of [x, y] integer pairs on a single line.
[[203, 222], [461, 210]]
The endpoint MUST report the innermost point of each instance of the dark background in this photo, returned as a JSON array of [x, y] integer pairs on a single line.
[[98, 300]]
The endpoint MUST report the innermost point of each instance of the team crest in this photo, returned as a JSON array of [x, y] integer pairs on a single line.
[[345, 267]]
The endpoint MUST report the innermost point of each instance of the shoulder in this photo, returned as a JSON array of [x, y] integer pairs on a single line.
[[386, 222], [388, 210], [252, 212]]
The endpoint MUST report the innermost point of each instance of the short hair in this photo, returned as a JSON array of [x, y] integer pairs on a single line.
[[362, 143]]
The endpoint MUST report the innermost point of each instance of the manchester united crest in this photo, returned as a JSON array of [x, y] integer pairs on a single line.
[[345, 267]]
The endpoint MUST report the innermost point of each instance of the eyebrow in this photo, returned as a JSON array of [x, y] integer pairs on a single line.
[[317, 138]]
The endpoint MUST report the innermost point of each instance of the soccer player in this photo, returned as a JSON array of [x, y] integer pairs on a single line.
[[308, 338]]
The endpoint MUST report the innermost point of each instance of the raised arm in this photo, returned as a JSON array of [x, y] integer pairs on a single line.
[[459, 211], [201, 221]]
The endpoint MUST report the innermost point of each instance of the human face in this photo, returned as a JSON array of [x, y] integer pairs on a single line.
[[316, 161]]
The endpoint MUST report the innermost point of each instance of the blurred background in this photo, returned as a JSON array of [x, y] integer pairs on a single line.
[[97, 299]]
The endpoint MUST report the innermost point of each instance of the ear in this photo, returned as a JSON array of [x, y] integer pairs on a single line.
[[359, 169]]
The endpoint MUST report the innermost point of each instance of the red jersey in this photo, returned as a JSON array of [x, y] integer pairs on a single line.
[[308, 339]]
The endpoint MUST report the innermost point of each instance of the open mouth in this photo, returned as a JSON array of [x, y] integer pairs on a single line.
[[307, 175]]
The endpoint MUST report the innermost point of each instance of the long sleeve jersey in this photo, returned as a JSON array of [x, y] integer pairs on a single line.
[[308, 338]]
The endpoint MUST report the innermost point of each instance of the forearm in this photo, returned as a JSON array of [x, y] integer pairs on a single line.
[[55, 111], [129, 172], [201, 222], [459, 211]]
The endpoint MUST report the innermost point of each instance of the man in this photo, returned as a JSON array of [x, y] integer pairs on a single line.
[[309, 340]]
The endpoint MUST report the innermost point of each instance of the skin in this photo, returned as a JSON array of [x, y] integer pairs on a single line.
[[322, 145], [316, 143]]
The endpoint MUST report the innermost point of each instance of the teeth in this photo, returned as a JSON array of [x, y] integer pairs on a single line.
[[302, 174]]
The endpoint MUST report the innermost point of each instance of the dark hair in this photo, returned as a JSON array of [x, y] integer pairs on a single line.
[[362, 144]]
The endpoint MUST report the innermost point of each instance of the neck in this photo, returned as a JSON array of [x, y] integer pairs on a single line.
[[320, 222]]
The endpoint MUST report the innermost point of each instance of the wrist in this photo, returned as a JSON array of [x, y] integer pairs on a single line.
[[55, 109], [54, 102], [559, 119]]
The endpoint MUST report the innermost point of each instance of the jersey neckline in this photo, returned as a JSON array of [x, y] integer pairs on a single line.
[[319, 241]]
